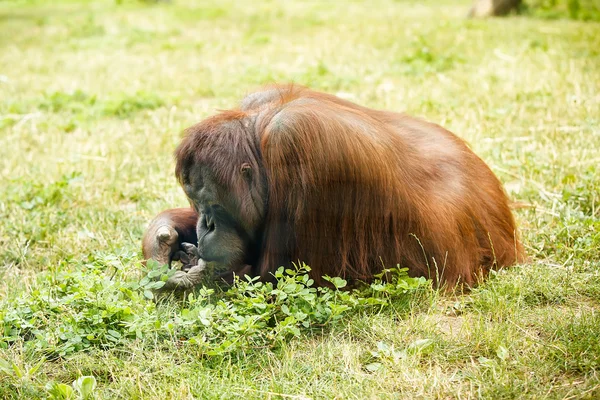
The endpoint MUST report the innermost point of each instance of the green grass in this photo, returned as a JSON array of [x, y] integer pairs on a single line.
[[93, 99]]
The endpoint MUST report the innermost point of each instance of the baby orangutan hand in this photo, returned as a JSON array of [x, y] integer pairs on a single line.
[[191, 270]]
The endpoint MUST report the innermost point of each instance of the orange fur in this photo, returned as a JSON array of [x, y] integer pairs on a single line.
[[351, 189]]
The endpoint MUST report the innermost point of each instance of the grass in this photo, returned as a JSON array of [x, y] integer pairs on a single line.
[[93, 97]]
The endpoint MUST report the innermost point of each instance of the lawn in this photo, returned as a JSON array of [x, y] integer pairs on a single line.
[[93, 99]]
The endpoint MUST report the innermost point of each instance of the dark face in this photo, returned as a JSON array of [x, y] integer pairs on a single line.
[[224, 236]]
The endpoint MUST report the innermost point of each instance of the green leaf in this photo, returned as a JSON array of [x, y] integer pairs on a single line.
[[337, 282], [155, 272], [85, 385], [60, 391], [148, 294], [420, 345], [383, 347], [114, 334], [502, 353], [36, 367], [152, 264], [18, 371], [373, 367], [156, 285]]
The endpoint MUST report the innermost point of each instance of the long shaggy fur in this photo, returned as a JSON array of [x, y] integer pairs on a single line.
[[350, 190]]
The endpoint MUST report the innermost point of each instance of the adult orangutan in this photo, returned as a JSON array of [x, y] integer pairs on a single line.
[[294, 174]]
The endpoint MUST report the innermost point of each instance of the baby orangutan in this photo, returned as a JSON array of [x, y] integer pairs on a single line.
[[167, 239], [171, 236]]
